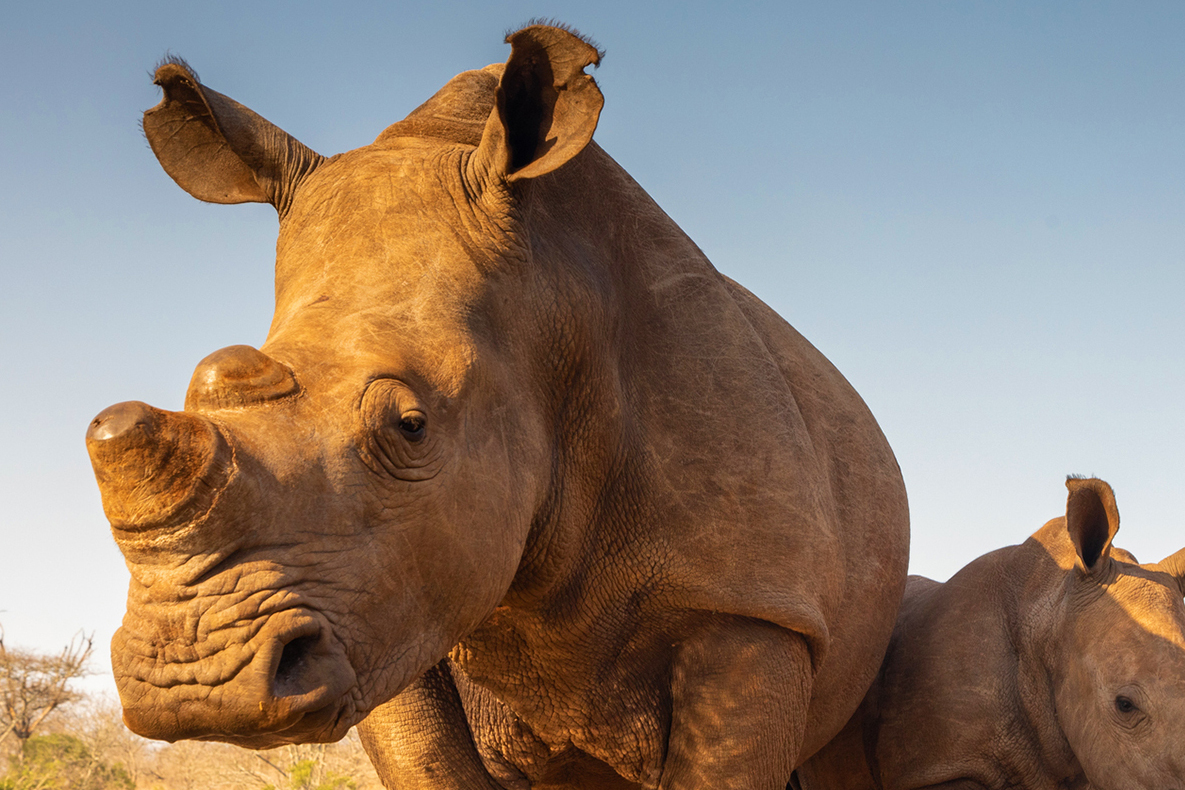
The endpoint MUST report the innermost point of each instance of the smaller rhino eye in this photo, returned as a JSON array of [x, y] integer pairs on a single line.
[[1124, 705], [412, 427]]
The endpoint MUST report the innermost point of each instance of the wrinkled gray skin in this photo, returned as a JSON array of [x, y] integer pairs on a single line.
[[517, 480], [1055, 664]]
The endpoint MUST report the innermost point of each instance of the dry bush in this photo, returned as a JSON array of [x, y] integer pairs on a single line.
[[69, 735], [34, 685], [193, 765], [190, 765]]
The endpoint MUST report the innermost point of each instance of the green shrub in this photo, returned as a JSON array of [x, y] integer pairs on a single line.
[[62, 762]]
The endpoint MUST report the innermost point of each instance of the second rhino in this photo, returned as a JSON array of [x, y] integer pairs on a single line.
[[1055, 664]]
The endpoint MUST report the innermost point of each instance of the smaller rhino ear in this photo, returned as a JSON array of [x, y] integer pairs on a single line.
[[546, 108], [1092, 519], [1174, 565]]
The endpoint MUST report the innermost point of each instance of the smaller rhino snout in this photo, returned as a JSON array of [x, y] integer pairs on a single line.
[[238, 376]]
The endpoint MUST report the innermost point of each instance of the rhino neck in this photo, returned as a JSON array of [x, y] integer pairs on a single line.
[[593, 277], [976, 644], [1034, 603]]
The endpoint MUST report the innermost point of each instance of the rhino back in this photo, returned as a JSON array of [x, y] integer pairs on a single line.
[[871, 512], [457, 112]]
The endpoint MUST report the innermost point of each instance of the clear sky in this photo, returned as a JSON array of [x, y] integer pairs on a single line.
[[976, 210]]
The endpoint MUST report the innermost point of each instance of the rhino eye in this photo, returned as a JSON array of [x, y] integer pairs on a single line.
[[412, 426], [1124, 705], [393, 435]]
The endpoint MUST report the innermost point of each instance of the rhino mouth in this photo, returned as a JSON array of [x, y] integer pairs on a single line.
[[290, 683]]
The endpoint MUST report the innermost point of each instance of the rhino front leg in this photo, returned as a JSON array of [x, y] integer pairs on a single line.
[[420, 740], [740, 690]]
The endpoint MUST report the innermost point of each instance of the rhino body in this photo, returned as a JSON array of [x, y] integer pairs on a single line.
[[1055, 664], [518, 480]]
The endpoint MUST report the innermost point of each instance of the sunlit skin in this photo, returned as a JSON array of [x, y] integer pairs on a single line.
[[518, 482], [1059, 663]]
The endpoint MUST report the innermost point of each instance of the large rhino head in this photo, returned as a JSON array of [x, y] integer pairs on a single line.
[[1115, 649], [331, 512]]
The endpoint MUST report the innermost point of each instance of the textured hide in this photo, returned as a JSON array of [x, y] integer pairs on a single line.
[[517, 477], [1058, 663]]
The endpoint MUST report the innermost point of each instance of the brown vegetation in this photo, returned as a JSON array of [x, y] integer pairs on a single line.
[[33, 685], [54, 737]]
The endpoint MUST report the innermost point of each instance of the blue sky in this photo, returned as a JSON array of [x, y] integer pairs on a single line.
[[975, 210]]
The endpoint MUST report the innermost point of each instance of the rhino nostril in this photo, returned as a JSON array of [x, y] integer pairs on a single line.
[[292, 661]]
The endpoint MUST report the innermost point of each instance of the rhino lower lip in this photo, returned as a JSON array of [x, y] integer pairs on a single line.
[[295, 686]]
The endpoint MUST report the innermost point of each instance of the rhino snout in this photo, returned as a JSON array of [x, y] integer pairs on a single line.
[[291, 683], [156, 468]]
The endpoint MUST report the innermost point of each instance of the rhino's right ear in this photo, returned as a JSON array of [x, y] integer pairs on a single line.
[[1092, 519], [1174, 565], [545, 107], [218, 150]]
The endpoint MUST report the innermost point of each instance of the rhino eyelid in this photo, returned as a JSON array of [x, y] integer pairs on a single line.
[[1125, 705]]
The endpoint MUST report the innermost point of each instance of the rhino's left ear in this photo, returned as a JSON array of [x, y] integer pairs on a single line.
[[545, 109], [1174, 565], [218, 150], [1092, 519]]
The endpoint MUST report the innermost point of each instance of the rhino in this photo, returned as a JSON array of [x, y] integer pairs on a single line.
[[1052, 665], [518, 483]]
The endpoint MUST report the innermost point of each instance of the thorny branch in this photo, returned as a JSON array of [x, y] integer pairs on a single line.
[[34, 685]]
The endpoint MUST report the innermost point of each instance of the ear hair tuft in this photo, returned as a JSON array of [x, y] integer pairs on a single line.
[[547, 22], [175, 60]]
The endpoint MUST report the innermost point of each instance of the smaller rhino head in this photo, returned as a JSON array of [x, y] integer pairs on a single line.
[[1117, 650]]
